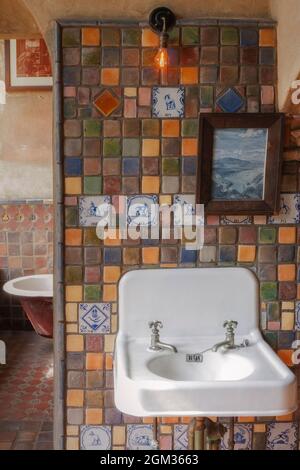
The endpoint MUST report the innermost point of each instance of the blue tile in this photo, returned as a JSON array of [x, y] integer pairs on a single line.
[[189, 166], [112, 255], [249, 37], [267, 56], [73, 166], [188, 256], [230, 101], [286, 339], [227, 254], [131, 166]]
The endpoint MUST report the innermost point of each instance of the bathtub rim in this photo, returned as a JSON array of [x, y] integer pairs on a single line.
[[9, 287]]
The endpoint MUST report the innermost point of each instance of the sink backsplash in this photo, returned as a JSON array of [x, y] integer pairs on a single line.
[[127, 131]]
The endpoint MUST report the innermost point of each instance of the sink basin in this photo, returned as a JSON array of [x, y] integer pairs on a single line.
[[215, 367], [192, 305]]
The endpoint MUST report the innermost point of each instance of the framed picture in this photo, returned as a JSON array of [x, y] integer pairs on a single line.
[[27, 65], [240, 163]]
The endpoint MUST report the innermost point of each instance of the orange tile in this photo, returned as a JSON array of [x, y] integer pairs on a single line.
[[75, 398], [93, 416], [150, 147], [111, 273], [90, 36], [246, 419], [149, 38], [110, 76], [285, 418], [246, 253], [73, 185], [73, 236], [287, 235], [148, 420], [94, 361], [73, 293], [109, 292], [170, 420], [150, 255], [286, 356], [170, 128], [267, 37], [108, 361], [112, 237], [150, 184], [189, 147], [74, 343], [189, 75], [286, 272]]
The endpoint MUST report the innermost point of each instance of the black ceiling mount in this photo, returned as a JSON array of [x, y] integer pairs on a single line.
[[162, 20]]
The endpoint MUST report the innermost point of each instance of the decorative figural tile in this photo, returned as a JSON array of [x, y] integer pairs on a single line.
[[184, 209], [95, 437], [93, 209], [106, 103], [142, 211], [180, 437], [140, 437], [282, 436], [236, 220], [94, 318], [230, 101], [242, 437], [289, 210], [168, 102]]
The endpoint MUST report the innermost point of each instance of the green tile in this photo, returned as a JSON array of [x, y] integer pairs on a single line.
[[90, 56], [90, 237], [268, 291], [92, 128], [189, 128], [73, 274], [92, 185], [92, 293], [131, 37], [267, 235], [273, 311], [271, 338], [171, 166], [71, 37], [111, 147], [190, 35], [69, 108], [229, 36], [174, 37], [206, 96], [71, 216], [131, 147]]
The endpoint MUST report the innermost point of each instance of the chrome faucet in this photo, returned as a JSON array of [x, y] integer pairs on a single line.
[[156, 344], [229, 342]]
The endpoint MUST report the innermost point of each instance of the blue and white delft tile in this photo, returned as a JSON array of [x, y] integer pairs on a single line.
[[184, 209], [289, 210], [242, 437], [93, 209], [139, 437], [168, 102], [236, 220], [95, 437], [142, 211], [282, 436], [181, 437], [94, 318], [297, 315]]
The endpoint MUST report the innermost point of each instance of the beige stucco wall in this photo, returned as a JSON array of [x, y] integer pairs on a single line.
[[16, 21], [25, 143]]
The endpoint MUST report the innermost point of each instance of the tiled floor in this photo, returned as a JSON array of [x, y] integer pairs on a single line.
[[26, 383]]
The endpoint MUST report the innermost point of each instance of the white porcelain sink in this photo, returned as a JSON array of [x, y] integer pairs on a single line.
[[192, 305]]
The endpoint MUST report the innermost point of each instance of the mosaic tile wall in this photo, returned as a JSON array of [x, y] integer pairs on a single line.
[[26, 247], [123, 134]]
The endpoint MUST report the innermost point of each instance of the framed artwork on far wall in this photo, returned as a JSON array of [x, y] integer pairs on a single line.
[[240, 163], [27, 65]]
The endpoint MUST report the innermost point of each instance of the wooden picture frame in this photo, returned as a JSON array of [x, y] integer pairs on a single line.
[[236, 150], [32, 57]]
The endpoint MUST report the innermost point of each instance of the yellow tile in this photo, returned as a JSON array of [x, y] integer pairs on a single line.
[[118, 435], [111, 273], [150, 184], [73, 293], [150, 255], [75, 398], [72, 443], [71, 328], [148, 420], [164, 429], [150, 147], [288, 305], [74, 343], [114, 308], [73, 185], [109, 343], [114, 323], [94, 416], [108, 362], [259, 428], [109, 292], [71, 312], [72, 430], [246, 253], [287, 321], [94, 361], [149, 38], [165, 199], [287, 235], [130, 92]]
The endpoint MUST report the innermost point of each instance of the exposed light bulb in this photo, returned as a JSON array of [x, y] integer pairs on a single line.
[[161, 58]]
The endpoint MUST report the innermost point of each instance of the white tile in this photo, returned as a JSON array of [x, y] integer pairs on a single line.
[[95, 437], [289, 210], [180, 437], [94, 318], [168, 102], [93, 209], [282, 436], [142, 211], [140, 437]]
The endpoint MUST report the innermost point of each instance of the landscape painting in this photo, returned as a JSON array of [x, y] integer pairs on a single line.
[[239, 162]]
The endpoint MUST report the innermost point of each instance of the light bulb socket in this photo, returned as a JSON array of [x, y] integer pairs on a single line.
[[162, 20], [164, 39]]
